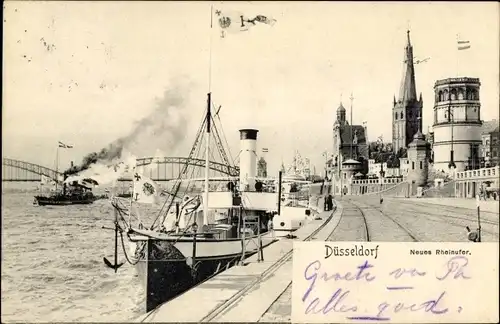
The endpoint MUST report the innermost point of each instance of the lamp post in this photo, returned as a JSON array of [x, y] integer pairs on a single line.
[[325, 154], [382, 174], [194, 227], [451, 118]]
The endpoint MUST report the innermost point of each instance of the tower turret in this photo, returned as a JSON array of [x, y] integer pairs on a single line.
[[457, 124], [418, 158], [341, 115]]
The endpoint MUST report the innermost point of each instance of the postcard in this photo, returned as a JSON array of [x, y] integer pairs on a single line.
[[319, 162]]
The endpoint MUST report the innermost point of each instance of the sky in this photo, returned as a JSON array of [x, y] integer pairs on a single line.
[[87, 73]]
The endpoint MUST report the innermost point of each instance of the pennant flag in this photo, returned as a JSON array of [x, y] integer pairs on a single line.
[[61, 144], [463, 45], [145, 190], [234, 22]]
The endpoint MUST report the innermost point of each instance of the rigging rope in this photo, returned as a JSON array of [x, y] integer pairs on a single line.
[[178, 180], [178, 187]]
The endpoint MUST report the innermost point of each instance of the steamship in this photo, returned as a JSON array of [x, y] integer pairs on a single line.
[[73, 193], [198, 236]]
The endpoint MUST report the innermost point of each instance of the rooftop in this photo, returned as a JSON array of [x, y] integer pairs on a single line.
[[457, 80], [489, 126]]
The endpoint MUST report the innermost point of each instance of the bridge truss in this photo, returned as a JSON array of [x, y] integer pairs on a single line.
[[158, 169], [16, 170]]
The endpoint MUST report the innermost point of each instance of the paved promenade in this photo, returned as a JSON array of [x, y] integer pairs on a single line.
[[489, 205]]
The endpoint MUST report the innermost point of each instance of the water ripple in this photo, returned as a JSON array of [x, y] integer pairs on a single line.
[[52, 269]]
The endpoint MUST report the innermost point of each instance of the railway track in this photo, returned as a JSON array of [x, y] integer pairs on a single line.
[[219, 310], [462, 221], [409, 233], [465, 211], [351, 220], [434, 217]]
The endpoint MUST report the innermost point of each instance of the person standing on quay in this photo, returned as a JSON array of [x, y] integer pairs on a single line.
[[270, 227], [329, 202]]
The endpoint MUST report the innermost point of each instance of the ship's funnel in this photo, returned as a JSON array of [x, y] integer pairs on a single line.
[[248, 159]]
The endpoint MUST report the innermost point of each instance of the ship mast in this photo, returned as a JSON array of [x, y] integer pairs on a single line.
[[57, 166], [208, 120], [207, 161]]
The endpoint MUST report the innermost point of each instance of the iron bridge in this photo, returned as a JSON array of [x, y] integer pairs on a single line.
[[16, 170]]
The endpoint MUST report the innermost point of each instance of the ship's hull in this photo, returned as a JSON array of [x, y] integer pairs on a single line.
[[49, 201], [167, 270]]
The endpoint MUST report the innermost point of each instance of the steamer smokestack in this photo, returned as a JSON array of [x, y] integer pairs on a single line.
[[248, 159]]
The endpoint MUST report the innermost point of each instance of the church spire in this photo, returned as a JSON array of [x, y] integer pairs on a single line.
[[408, 91]]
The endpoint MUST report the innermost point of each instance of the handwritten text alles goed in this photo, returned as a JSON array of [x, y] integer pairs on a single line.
[[342, 300]]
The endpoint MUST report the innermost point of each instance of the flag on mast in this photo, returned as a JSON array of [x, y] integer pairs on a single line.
[[145, 189], [234, 22], [61, 144], [463, 45]]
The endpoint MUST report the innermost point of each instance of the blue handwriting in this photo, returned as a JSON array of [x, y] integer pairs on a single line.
[[368, 318], [411, 272], [455, 266], [336, 303], [312, 272], [398, 288], [431, 306]]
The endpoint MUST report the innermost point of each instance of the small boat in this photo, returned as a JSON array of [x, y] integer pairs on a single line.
[[74, 194]]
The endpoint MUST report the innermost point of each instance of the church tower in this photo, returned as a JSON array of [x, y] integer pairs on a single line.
[[340, 121], [407, 109]]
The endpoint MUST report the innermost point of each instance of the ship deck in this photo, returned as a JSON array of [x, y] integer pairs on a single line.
[[213, 298]]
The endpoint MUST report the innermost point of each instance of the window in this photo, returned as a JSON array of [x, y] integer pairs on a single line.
[[396, 116], [401, 115], [421, 165], [413, 165]]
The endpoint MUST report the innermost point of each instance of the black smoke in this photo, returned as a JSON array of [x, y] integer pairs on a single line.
[[166, 127]]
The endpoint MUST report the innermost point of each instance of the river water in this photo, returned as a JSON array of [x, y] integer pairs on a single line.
[[52, 268]]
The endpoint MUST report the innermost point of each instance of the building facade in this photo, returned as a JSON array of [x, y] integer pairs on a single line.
[[349, 142], [407, 108], [350, 152], [495, 147], [457, 124], [490, 131], [418, 158], [262, 168]]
